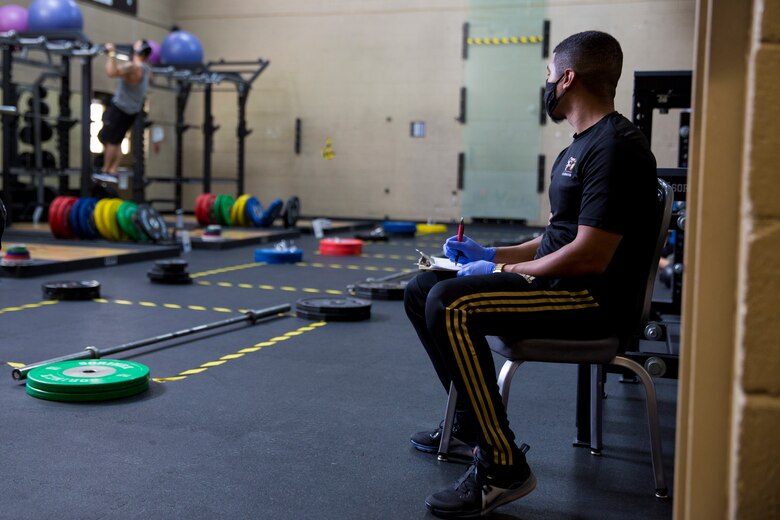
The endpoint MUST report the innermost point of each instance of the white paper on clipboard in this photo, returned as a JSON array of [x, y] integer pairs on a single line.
[[435, 263]]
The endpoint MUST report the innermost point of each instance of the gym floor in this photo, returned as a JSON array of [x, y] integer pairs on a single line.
[[288, 418]]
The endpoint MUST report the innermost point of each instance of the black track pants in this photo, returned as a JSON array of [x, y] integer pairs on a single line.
[[452, 317]]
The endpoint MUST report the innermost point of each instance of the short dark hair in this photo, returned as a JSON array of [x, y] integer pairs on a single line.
[[146, 49], [597, 59]]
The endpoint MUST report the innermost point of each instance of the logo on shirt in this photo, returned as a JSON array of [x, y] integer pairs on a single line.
[[569, 167]]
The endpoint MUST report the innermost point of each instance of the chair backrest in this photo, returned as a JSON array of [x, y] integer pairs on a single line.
[[665, 201]]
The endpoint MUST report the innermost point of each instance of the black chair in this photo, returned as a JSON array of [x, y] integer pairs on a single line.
[[596, 353]]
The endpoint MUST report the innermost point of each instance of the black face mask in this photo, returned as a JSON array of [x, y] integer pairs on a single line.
[[550, 101]]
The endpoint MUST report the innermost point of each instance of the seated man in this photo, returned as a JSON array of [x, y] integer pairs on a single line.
[[574, 281]]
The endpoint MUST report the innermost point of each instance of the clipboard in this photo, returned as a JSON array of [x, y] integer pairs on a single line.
[[435, 263]]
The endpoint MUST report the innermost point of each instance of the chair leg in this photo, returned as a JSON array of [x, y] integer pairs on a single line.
[[505, 378], [596, 408], [652, 420], [449, 421], [582, 415]]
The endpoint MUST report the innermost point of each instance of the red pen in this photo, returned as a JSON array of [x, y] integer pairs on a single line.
[[460, 238]]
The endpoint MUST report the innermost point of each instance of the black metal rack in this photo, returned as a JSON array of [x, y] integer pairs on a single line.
[[181, 80], [65, 45], [664, 90]]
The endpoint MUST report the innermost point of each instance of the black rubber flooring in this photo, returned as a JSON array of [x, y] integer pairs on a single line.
[[286, 419]]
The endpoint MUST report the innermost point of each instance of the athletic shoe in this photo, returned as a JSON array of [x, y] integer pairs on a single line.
[[104, 177], [479, 491], [462, 442]]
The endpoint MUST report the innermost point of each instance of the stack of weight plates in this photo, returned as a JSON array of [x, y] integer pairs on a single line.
[[212, 233], [333, 309], [170, 271], [17, 255], [245, 211], [380, 290], [341, 247], [110, 218], [71, 290], [88, 380]]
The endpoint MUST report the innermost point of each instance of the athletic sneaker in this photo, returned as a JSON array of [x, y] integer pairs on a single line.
[[104, 177], [479, 491], [462, 442]]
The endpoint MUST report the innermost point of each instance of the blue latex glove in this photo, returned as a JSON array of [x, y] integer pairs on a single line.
[[478, 267], [469, 250]]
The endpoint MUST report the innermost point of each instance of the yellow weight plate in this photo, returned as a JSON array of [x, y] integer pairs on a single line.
[[99, 221], [431, 228], [233, 216], [240, 204]]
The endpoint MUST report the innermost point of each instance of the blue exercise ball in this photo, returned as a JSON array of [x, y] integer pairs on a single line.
[[180, 48], [54, 15]]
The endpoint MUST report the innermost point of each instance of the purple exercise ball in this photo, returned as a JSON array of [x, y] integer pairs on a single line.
[[54, 15], [154, 57], [13, 18]]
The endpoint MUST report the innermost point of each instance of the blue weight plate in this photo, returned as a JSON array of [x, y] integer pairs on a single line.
[[74, 218], [400, 227], [272, 256], [87, 218], [272, 213], [254, 210]]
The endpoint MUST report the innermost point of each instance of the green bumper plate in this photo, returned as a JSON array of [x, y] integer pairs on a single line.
[[89, 376], [87, 396]]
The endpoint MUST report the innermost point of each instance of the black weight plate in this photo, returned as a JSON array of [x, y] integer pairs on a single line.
[[43, 108], [291, 212], [380, 290], [151, 223], [172, 265], [318, 316], [371, 237], [71, 290], [334, 309], [158, 276]]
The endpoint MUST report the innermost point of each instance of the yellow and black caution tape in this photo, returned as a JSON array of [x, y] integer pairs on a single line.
[[505, 40], [241, 353]]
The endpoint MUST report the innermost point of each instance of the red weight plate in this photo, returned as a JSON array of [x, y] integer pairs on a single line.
[[209, 207], [63, 217], [54, 224], [341, 246], [200, 209]]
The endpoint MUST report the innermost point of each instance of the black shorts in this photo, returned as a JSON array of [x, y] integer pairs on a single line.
[[116, 123]]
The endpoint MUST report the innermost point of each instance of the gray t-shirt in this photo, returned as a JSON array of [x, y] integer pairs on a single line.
[[130, 98]]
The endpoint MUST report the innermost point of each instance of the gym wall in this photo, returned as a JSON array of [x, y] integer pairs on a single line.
[[359, 73]]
